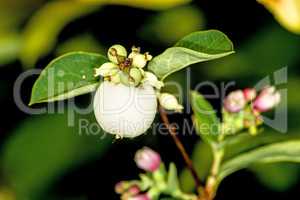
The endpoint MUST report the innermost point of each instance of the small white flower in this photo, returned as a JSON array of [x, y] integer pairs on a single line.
[[169, 102], [125, 111], [152, 80], [139, 60], [117, 53], [107, 69]]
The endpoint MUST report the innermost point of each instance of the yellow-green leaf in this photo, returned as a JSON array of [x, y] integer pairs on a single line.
[[9, 47], [147, 4], [286, 12], [43, 28]]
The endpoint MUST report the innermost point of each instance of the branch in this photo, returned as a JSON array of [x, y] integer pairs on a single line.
[[181, 148]]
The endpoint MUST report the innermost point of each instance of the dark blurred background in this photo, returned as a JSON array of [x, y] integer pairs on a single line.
[[43, 158]]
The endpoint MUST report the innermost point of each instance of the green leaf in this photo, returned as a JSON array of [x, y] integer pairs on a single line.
[[206, 121], [67, 76], [173, 183], [287, 151], [194, 48], [243, 142], [41, 33], [210, 42], [42, 149]]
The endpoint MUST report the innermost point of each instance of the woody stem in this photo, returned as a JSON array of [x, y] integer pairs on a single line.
[[181, 148]]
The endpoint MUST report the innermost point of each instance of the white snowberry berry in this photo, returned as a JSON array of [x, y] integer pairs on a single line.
[[125, 111]]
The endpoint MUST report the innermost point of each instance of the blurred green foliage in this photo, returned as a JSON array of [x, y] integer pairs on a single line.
[[146, 4], [261, 55], [279, 177], [12, 15], [286, 12], [40, 34], [39, 40], [10, 44], [171, 25], [43, 148], [202, 157], [84, 42]]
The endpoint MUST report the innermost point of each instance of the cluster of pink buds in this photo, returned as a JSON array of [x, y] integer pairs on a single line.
[[154, 182], [146, 159], [267, 99], [243, 108]]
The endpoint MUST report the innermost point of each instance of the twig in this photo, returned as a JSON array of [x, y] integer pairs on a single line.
[[211, 183], [181, 148]]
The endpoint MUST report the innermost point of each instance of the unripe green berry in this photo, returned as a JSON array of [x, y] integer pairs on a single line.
[[136, 76], [117, 53], [124, 78]]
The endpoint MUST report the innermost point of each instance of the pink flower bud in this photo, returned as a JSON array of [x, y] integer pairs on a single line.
[[147, 159], [120, 187], [140, 197], [134, 190], [235, 101], [267, 99], [249, 93]]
